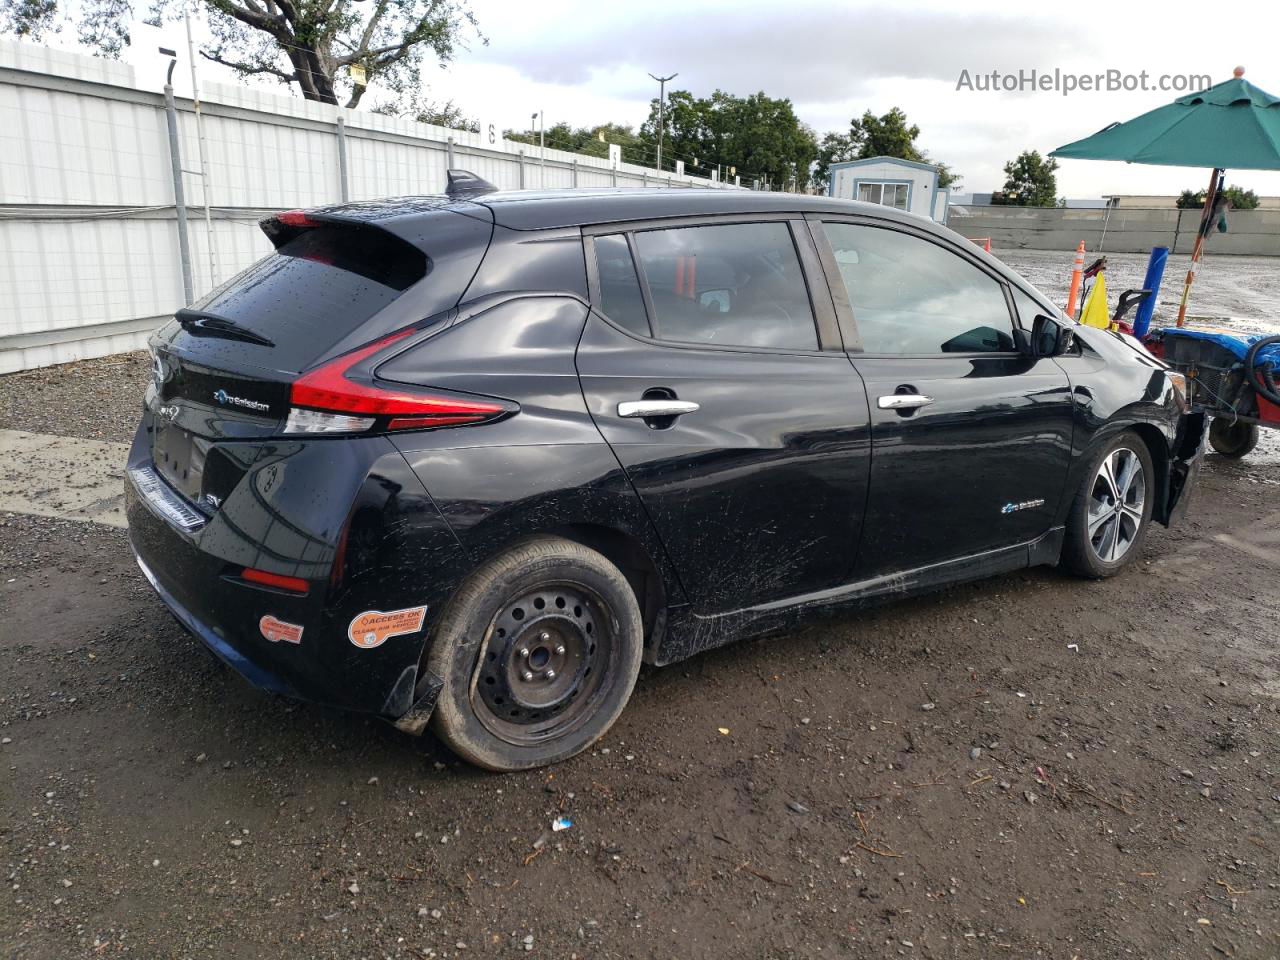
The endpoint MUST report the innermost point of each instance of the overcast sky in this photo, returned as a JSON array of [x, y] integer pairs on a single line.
[[586, 62]]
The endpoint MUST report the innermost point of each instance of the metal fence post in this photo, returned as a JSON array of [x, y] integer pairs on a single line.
[[179, 197], [575, 172], [344, 190], [521, 169], [615, 176], [644, 179], [448, 150]]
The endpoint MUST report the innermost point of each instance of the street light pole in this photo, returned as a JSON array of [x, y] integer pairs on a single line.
[[662, 99], [540, 119]]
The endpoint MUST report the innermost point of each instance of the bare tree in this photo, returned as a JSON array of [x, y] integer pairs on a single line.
[[329, 48]]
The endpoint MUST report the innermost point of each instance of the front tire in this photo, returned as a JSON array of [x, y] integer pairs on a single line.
[[1112, 509], [539, 650], [1232, 439]]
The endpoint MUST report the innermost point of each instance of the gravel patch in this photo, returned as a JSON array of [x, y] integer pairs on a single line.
[[94, 399]]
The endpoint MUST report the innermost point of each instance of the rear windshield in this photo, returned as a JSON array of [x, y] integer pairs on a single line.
[[316, 288]]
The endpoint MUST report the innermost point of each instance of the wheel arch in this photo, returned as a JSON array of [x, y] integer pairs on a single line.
[[1158, 447], [624, 550], [629, 555], [1157, 444]]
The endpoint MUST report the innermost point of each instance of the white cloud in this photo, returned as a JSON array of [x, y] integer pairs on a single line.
[[587, 62]]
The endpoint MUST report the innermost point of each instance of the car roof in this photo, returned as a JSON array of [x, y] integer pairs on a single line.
[[547, 209], [550, 209], [411, 217]]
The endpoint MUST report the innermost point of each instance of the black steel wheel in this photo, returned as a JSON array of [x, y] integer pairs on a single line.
[[539, 651], [548, 654], [1232, 438]]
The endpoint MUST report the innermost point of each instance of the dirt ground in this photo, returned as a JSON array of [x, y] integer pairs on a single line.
[[1234, 292], [1031, 766]]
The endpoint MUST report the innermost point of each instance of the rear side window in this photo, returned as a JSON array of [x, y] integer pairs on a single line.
[[620, 297], [317, 287], [734, 285], [912, 296]]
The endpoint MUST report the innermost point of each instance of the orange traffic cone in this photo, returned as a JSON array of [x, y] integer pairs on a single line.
[[1077, 274]]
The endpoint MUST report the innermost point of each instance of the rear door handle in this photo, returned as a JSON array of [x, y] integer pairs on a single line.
[[903, 401], [656, 408]]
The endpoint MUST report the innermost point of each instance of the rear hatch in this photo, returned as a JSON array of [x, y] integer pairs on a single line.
[[338, 279]]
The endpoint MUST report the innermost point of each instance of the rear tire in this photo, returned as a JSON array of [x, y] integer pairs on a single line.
[[1233, 440], [539, 650], [1111, 510]]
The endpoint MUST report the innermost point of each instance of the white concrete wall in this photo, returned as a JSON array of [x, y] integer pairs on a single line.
[[1125, 230], [88, 231]]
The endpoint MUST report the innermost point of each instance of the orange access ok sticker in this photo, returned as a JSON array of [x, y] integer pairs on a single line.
[[373, 628], [277, 630]]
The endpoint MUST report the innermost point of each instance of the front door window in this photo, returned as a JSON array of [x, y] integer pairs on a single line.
[[913, 297]]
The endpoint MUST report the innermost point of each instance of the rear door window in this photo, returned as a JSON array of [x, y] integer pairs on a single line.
[[316, 288], [620, 297], [734, 284]]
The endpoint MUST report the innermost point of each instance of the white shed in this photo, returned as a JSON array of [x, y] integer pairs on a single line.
[[902, 184]]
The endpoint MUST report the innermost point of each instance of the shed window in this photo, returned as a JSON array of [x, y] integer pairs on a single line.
[[889, 194]]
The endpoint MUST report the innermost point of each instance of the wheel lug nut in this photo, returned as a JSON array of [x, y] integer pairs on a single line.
[[544, 636], [527, 676], [550, 674], [560, 650], [524, 651]]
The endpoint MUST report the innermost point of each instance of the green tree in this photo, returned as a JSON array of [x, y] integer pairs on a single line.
[[1029, 182], [834, 148], [758, 135], [888, 135], [315, 45], [592, 141], [1238, 197], [442, 114]]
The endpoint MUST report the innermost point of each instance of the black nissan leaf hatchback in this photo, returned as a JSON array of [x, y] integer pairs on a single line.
[[470, 459]]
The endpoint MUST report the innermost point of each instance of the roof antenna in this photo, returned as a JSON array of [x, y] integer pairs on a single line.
[[464, 183]]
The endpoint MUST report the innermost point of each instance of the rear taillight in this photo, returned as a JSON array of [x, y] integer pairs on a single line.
[[296, 218], [329, 399], [279, 581]]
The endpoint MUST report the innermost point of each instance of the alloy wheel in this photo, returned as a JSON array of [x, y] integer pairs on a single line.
[[1116, 504]]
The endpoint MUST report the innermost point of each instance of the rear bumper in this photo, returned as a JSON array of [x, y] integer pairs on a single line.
[[256, 674], [299, 510], [1185, 461]]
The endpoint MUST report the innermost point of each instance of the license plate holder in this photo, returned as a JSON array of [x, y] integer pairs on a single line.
[[179, 458]]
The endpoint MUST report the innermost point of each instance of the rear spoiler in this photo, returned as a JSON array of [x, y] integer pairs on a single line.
[[403, 217], [282, 227]]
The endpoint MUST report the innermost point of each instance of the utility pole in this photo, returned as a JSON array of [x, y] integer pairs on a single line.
[[538, 121], [175, 160], [205, 180], [662, 100]]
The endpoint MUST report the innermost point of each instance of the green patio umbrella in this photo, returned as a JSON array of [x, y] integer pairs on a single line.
[[1232, 124]]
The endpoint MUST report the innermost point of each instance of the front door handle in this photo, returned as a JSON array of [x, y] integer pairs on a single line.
[[656, 408], [903, 401]]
